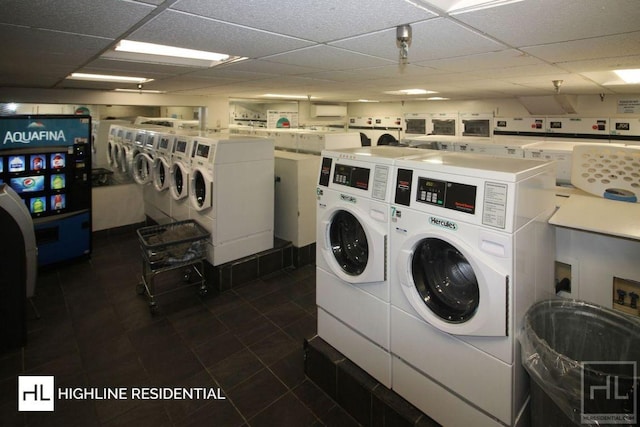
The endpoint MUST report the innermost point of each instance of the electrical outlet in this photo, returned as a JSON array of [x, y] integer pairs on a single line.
[[626, 296]]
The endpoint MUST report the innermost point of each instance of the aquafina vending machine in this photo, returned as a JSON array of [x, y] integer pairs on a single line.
[[46, 159]]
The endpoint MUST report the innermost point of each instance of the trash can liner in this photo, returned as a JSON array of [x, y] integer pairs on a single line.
[[559, 334]]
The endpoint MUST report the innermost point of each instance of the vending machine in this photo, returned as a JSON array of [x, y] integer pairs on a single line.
[[46, 159]]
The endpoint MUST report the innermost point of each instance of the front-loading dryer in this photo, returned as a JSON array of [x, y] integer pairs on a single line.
[[471, 251], [179, 177], [201, 178], [352, 286]]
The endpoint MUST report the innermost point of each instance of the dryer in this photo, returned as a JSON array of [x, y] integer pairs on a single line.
[[471, 251], [231, 194], [179, 175], [352, 286]]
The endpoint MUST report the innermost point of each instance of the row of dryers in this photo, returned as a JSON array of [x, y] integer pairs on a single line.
[[226, 185], [426, 264]]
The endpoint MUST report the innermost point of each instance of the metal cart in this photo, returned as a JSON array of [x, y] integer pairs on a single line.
[[167, 247]]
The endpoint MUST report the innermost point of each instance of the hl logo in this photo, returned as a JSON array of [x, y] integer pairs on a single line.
[[608, 393], [36, 393]]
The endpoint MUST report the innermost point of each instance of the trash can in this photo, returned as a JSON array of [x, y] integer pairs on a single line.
[[583, 361]]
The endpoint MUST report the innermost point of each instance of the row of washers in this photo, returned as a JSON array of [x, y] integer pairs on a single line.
[[151, 154]]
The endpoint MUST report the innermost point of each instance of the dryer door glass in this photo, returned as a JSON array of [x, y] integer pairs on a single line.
[[200, 188], [349, 243], [445, 280]]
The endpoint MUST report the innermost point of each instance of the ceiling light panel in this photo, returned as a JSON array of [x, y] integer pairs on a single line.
[[107, 78], [164, 50]]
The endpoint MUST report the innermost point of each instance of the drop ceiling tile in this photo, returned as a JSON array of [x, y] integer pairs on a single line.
[[135, 68], [324, 57], [535, 22], [431, 39], [105, 18], [617, 63], [612, 46], [527, 70], [503, 59], [192, 32], [267, 67], [318, 21]]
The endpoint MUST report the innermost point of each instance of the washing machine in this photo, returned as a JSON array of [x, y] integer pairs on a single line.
[[127, 151], [560, 151], [179, 175], [377, 130], [471, 251], [314, 142], [499, 146], [352, 286], [231, 194], [143, 153], [156, 196], [114, 147]]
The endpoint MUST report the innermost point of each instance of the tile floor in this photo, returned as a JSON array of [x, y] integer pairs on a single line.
[[95, 331]]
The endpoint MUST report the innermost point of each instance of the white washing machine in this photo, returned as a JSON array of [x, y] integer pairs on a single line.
[[156, 196], [315, 142], [352, 286], [179, 175], [560, 151], [114, 147], [471, 251], [231, 194], [500, 146], [127, 151], [143, 154]]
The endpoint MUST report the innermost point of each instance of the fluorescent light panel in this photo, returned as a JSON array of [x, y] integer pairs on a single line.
[[108, 78], [629, 76], [410, 92], [139, 90], [276, 95], [461, 6], [163, 50]]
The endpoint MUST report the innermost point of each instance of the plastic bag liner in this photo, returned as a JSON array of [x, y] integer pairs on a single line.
[[559, 335]]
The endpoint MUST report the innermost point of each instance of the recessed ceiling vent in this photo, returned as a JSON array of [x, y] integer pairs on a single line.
[[549, 105]]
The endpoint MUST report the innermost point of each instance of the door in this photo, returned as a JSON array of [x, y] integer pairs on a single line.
[[354, 244], [452, 287], [200, 189], [179, 181]]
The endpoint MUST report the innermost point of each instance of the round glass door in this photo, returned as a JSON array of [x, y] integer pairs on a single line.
[[141, 169], [349, 243], [160, 175], [200, 188], [178, 179], [445, 280]]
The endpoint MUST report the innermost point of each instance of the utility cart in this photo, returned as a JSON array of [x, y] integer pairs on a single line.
[[167, 247]]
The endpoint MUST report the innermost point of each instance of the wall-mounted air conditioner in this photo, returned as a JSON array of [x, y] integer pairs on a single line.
[[328, 110]]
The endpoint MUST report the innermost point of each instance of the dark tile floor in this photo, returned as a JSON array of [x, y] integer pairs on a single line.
[[95, 331]]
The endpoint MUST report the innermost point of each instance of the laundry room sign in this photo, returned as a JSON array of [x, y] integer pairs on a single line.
[[628, 106]]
